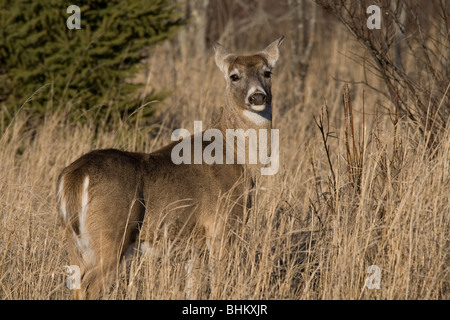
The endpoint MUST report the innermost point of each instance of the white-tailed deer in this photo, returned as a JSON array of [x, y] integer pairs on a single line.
[[109, 200]]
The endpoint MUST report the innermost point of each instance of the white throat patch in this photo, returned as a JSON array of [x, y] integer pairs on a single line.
[[256, 118]]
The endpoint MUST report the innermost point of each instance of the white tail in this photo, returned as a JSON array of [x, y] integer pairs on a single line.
[[109, 200]]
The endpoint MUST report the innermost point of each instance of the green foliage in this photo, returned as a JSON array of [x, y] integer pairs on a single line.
[[44, 64]]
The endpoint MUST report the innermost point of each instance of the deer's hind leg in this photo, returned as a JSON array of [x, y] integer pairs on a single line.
[[107, 229]]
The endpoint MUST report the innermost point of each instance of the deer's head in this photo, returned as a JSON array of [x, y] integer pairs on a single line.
[[248, 79]]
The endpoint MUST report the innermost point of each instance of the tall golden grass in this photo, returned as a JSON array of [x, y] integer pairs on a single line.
[[366, 193]]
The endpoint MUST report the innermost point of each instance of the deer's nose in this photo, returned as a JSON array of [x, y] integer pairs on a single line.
[[257, 99]]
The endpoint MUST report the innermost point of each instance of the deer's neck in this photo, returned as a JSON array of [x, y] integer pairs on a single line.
[[234, 118], [249, 124]]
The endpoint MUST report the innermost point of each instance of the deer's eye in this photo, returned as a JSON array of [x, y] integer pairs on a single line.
[[234, 77], [267, 74]]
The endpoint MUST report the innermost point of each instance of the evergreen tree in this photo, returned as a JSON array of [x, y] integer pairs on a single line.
[[43, 59]]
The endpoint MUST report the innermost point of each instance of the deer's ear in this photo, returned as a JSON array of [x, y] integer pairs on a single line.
[[272, 52], [223, 58]]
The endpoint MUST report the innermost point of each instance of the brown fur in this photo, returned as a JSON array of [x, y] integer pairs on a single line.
[[138, 196]]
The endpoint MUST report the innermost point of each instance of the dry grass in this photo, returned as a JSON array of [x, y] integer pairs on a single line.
[[311, 234]]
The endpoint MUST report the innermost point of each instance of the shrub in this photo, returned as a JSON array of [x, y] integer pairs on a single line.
[[410, 54], [90, 67]]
